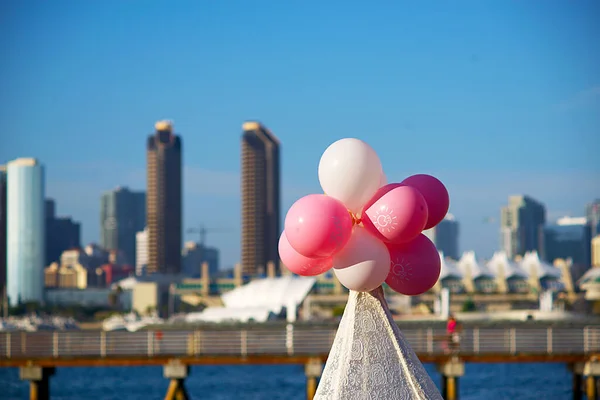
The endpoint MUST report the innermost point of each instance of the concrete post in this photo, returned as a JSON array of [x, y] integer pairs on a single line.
[[313, 370], [39, 381], [451, 371], [176, 371]]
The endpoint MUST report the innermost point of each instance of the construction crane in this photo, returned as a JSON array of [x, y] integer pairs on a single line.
[[201, 231]]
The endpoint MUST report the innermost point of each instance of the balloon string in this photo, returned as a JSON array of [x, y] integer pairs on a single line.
[[355, 220]]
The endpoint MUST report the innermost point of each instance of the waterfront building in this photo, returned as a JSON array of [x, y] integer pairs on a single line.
[[25, 231], [477, 278], [163, 201], [260, 189]]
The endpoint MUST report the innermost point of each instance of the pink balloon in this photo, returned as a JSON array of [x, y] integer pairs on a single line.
[[435, 194], [414, 267], [364, 264], [318, 226], [398, 216], [300, 265]]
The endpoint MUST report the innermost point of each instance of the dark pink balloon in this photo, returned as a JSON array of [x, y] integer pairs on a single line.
[[300, 265], [398, 216], [414, 267], [318, 226], [435, 194]]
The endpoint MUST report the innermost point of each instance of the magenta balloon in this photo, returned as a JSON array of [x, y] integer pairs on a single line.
[[435, 194], [298, 264], [398, 216], [318, 226], [414, 267]]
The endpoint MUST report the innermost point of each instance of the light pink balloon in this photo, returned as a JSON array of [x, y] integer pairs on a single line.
[[415, 266], [398, 216], [300, 265], [318, 226], [435, 194], [364, 263]]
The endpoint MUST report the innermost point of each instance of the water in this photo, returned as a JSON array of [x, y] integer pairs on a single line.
[[274, 382]]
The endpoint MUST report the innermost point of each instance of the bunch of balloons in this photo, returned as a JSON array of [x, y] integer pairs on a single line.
[[367, 230]]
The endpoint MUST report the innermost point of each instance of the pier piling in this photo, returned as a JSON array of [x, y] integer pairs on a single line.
[[313, 370], [451, 371], [176, 371], [577, 370], [39, 381]]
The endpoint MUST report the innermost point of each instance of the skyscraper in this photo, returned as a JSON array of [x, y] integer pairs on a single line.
[[522, 226], [122, 215], [62, 233], [163, 200], [141, 252], [2, 229], [445, 236], [260, 198], [25, 231], [568, 238], [592, 213]]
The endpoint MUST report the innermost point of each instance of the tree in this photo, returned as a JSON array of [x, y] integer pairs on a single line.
[[469, 305]]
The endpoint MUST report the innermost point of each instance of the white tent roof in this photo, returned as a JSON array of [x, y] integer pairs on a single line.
[[449, 268], [258, 300], [533, 265], [468, 263], [500, 263]]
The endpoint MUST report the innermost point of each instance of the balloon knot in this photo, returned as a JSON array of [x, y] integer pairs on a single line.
[[355, 220]]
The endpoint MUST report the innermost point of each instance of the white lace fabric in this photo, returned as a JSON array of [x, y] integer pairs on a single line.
[[370, 359]]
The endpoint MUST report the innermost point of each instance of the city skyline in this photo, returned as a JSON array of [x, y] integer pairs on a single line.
[[448, 101]]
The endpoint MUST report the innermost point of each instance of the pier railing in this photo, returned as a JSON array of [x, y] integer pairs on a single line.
[[286, 341]]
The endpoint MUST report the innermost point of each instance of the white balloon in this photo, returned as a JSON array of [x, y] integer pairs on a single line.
[[383, 180], [364, 263], [350, 171]]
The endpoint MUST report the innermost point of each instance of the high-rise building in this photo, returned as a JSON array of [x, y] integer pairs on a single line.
[[568, 238], [122, 216], [445, 236], [260, 199], [194, 254], [25, 231], [141, 252], [163, 206], [522, 226], [62, 233], [2, 229], [592, 213]]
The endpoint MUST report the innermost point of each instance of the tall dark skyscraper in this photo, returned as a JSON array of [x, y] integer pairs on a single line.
[[122, 216], [163, 200], [2, 229], [445, 236], [260, 198], [62, 233]]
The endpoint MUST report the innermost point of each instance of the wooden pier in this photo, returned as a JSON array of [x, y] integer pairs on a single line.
[[38, 354]]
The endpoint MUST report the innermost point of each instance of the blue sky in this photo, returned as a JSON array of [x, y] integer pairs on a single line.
[[495, 98]]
